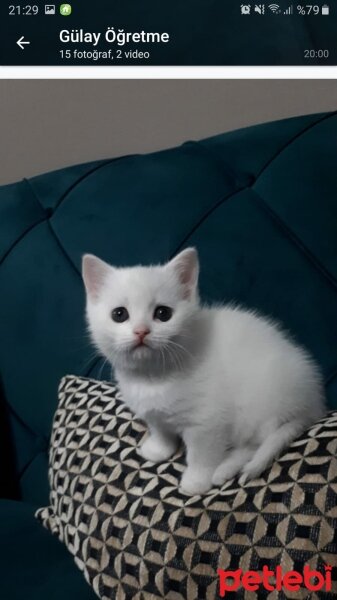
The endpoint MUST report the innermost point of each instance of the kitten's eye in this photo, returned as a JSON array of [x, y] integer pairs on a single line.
[[120, 314], [163, 313]]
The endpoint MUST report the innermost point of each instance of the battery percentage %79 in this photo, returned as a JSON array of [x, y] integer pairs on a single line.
[[312, 9]]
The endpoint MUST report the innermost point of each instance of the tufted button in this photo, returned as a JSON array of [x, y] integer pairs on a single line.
[[49, 213], [41, 444], [249, 180], [245, 180]]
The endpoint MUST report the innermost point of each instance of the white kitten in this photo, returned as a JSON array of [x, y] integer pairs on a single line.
[[225, 380]]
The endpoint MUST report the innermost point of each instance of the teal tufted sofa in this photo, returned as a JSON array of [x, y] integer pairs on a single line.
[[261, 206]]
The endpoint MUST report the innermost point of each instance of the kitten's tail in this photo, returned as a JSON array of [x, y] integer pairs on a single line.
[[270, 448]]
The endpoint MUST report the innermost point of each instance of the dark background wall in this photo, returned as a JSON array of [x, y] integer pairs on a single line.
[[49, 124]]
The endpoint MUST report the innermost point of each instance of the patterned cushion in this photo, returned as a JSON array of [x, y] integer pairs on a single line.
[[135, 535]]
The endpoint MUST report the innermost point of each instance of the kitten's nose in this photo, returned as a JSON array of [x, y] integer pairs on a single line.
[[141, 332]]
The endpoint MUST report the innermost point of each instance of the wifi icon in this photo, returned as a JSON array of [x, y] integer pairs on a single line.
[[275, 8]]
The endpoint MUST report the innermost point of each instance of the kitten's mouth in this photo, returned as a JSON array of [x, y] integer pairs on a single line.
[[140, 345], [140, 351]]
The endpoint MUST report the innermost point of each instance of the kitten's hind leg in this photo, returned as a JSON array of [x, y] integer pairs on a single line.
[[230, 467], [160, 444], [274, 443], [204, 451]]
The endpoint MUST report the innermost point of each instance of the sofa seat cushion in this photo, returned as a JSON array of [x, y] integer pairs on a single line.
[[135, 535], [34, 565]]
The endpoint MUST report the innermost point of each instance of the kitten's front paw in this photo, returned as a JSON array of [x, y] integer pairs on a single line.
[[224, 472], [157, 450], [250, 471], [195, 482]]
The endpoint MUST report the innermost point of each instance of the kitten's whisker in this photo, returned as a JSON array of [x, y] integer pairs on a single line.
[[89, 360], [182, 348], [174, 357], [102, 368], [162, 354]]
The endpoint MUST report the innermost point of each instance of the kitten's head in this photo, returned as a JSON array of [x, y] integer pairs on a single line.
[[141, 314]]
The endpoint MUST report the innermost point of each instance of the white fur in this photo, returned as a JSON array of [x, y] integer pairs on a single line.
[[227, 381]]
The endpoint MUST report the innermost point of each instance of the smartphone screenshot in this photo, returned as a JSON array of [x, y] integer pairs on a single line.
[[193, 32], [168, 300], [168, 339]]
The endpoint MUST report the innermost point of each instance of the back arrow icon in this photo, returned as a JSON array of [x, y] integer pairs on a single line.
[[21, 42]]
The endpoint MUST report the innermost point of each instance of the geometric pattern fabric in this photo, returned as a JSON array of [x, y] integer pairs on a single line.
[[136, 536]]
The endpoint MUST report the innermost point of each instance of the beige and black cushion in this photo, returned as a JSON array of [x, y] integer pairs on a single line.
[[136, 536]]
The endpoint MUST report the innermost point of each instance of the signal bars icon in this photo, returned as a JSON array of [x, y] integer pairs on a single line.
[[289, 10]]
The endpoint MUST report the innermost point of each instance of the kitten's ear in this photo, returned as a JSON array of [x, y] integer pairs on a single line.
[[94, 273], [186, 265]]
